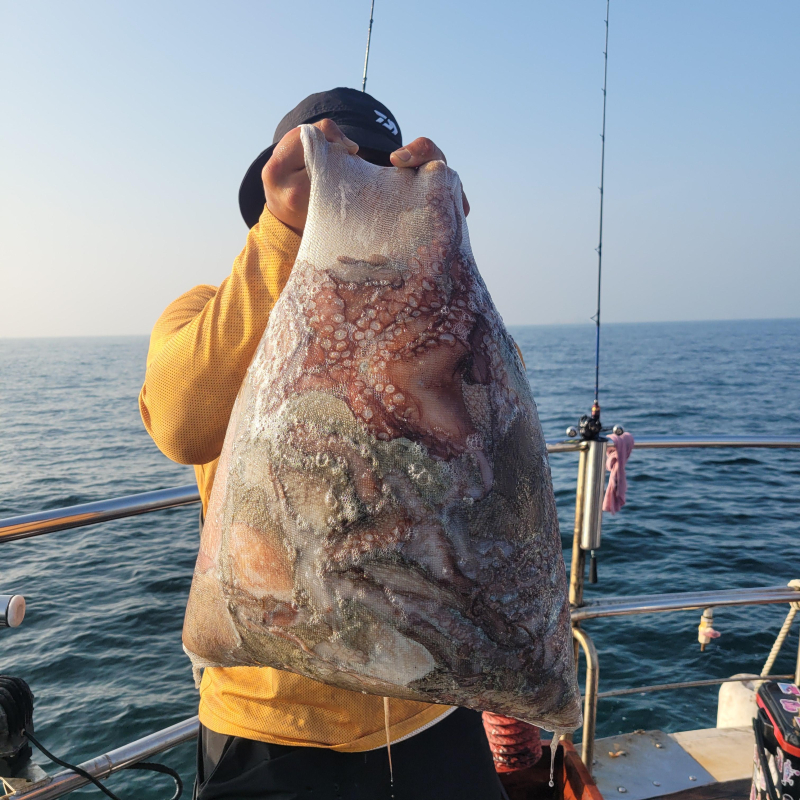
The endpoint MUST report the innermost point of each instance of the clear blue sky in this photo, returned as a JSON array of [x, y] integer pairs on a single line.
[[126, 129]]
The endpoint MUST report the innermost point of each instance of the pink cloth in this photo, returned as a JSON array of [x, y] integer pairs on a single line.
[[615, 464]]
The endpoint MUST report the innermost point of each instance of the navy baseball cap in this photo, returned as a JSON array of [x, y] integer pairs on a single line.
[[360, 116]]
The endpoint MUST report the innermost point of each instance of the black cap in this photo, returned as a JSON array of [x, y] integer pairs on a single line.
[[360, 116]]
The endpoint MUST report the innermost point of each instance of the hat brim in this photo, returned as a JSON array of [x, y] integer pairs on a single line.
[[251, 192]]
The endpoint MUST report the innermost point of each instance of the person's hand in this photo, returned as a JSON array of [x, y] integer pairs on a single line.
[[419, 152], [287, 187]]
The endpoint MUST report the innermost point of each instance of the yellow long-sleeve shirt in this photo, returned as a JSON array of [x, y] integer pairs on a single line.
[[200, 350]]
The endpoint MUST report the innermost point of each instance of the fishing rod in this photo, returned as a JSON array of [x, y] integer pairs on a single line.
[[366, 56], [596, 406], [588, 524], [590, 426]]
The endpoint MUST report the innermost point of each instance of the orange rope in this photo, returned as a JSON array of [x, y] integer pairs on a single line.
[[515, 745]]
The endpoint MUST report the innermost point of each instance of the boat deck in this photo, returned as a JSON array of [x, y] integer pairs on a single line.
[[712, 764], [728, 790]]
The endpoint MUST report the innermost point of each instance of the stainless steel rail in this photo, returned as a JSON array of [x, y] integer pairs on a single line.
[[649, 604], [61, 519], [683, 601], [590, 700], [624, 606], [113, 761], [676, 442], [662, 687]]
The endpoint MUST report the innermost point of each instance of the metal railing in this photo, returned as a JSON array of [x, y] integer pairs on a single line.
[[115, 760], [662, 687], [649, 604], [37, 524], [62, 519], [683, 601], [677, 442], [587, 536]]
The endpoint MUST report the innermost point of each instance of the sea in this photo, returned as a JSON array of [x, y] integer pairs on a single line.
[[101, 643]]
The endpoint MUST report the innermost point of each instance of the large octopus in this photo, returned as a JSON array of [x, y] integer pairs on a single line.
[[402, 339], [383, 477]]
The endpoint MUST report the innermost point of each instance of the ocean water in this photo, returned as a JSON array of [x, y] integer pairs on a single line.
[[100, 645]]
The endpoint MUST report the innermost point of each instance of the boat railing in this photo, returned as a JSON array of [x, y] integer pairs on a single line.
[[587, 538], [588, 521], [67, 781], [60, 519], [650, 604], [53, 520]]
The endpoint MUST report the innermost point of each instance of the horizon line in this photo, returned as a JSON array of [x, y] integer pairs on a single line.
[[588, 323]]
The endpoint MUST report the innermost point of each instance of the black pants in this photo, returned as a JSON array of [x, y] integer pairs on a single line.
[[449, 761]]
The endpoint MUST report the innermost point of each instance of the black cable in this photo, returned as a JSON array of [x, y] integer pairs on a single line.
[[142, 765], [82, 772], [164, 770], [16, 701]]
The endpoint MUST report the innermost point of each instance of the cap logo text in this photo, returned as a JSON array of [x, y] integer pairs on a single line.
[[386, 122]]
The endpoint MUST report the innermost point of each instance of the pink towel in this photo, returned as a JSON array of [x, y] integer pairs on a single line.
[[615, 464]]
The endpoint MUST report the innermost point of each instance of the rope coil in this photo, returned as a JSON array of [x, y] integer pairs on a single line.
[[515, 745]]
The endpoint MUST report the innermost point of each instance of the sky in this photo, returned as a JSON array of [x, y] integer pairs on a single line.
[[127, 127]]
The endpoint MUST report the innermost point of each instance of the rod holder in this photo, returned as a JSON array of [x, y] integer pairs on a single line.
[[592, 517], [12, 610]]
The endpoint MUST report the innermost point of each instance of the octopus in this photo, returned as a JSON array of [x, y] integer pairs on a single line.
[[383, 516]]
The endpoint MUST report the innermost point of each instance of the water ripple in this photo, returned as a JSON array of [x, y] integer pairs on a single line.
[[101, 644]]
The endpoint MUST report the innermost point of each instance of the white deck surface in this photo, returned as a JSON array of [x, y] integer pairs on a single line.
[[727, 753], [637, 766]]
